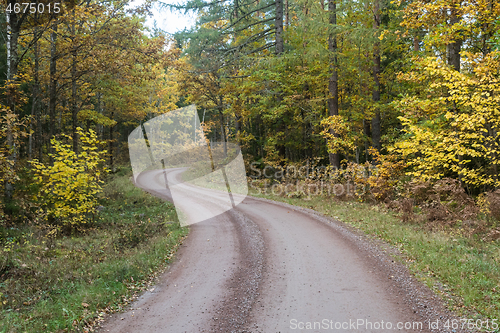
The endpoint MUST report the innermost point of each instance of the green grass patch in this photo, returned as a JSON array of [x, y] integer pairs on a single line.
[[56, 283], [465, 272]]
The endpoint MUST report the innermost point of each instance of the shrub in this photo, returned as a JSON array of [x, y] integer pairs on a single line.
[[68, 189], [441, 202], [378, 181], [385, 176]]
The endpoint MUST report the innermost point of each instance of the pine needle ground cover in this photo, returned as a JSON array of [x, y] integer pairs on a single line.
[[51, 282]]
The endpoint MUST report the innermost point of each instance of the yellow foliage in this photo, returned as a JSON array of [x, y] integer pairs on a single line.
[[385, 175], [453, 128], [339, 135], [69, 188], [483, 204], [377, 181]]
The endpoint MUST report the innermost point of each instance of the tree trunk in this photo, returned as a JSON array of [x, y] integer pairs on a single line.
[[237, 126], [366, 131], [287, 14], [223, 129], [13, 28], [279, 50], [376, 128], [52, 87], [111, 165], [74, 109], [416, 43], [454, 48], [35, 110], [305, 35], [333, 90], [279, 27]]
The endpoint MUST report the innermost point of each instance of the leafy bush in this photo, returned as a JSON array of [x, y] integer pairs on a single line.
[[444, 199], [69, 188], [386, 175], [452, 127]]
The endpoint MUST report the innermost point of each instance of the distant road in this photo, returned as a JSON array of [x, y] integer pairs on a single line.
[[270, 267]]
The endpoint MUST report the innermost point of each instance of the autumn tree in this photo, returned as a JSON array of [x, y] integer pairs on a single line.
[[449, 115], [90, 65]]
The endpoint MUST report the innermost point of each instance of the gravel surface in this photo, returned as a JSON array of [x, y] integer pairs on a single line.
[[271, 267]]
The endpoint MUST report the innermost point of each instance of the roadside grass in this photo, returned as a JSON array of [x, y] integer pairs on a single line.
[[61, 283], [464, 271]]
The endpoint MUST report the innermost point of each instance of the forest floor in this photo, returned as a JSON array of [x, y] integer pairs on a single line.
[[58, 283]]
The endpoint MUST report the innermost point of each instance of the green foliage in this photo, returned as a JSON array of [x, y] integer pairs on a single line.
[[69, 189], [96, 117]]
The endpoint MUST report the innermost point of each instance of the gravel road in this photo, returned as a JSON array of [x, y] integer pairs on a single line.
[[270, 267]]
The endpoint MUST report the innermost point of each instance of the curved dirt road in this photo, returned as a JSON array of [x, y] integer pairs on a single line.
[[270, 267]]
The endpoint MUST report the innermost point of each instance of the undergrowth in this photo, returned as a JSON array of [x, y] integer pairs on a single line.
[[52, 282]]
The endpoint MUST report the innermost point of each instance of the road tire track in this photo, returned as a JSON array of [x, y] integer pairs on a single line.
[[263, 265]]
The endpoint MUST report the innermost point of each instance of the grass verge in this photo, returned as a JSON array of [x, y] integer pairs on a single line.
[[51, 283], [465, 272]]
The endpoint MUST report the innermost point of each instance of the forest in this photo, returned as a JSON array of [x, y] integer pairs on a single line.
[[400, 97], [407, 86]]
